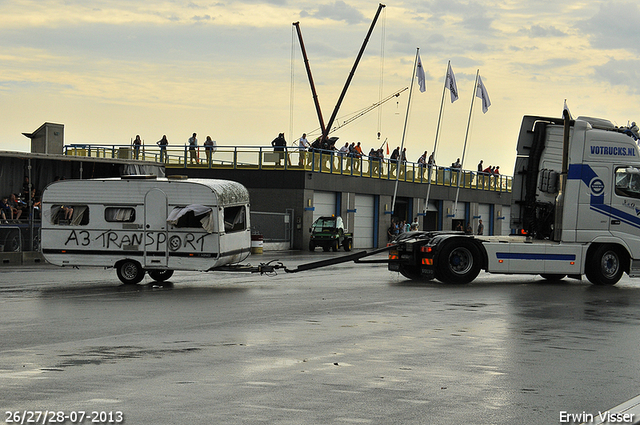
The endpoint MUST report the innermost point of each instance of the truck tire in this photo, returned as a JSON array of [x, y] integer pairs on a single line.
[[458, 262], [160, 275], [347, 244], [312, 247], [335, 246], [129, 272], [604, 265]]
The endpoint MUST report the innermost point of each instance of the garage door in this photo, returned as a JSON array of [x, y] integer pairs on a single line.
[[484, 211], [324, 203], [364, 221], [506, 222]]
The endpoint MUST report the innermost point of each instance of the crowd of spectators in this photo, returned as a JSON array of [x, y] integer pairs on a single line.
[[14, 208], [354, 150]]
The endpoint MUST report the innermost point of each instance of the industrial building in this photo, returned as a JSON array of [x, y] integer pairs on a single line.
[[288, 190]]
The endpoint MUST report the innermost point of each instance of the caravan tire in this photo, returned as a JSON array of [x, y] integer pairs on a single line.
[[160, 275], [129, 272]]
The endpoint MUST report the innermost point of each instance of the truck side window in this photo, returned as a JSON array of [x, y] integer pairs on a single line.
[[628, 182], [73, 215], [234, 219], [120, 214]]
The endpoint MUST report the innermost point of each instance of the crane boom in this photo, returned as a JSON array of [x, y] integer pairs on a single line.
[[362, 112]]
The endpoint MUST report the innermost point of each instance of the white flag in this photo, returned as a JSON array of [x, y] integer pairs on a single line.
[[450, 83], [420, 74], [481, 92]]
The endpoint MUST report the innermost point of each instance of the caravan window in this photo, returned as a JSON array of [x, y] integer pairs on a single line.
[[121, 215], [74, 215], [192, 216], [234, 219]]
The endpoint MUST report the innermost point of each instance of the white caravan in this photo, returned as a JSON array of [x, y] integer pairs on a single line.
[[144, 223]]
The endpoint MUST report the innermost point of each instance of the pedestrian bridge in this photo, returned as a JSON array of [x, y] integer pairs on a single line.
[[319, 161]]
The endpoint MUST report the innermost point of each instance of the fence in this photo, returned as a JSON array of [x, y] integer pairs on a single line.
[[274, 227], [17, 238], [319, 161]]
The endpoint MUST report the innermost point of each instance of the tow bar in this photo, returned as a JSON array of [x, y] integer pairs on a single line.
[[273, 266]]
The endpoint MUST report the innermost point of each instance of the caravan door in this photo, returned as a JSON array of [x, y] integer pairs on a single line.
[[156, 251]]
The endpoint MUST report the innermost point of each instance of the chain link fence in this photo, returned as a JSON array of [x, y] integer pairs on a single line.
[[274, 227]]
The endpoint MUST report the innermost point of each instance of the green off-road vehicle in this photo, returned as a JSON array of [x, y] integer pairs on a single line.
[[329, 233]]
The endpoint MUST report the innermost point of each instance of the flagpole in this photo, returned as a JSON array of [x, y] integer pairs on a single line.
[[464, 149], [435, 143], [385, 141], [404, 131]]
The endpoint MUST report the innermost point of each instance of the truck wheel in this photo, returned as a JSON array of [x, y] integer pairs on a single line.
[[458, 262], [347, 244], [604, 266], [553, 277], [413, 273], [160, 275], [312, 247], [336, 246], [12, 241], [129, 272]]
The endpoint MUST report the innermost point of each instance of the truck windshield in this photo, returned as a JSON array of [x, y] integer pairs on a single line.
[[321, 223]]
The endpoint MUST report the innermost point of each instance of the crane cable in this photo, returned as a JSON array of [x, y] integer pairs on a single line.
[[292, 88], [381, 85]]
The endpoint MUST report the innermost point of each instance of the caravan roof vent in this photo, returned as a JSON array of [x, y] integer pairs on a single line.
[[139, 177]]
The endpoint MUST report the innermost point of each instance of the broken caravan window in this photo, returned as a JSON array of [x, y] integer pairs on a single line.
[[234, 219], [79, 216], [192, 216], [120, 214]]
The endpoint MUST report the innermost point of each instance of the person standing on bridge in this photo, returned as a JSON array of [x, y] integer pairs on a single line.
[[193, 149], [280, 145], [162, 143], [137, 142], [209, 148], [303, 147]]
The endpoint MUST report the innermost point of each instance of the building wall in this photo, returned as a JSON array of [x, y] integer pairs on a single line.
[[276, 191]]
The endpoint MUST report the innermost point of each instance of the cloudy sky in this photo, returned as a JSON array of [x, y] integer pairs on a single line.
[[109, 70]]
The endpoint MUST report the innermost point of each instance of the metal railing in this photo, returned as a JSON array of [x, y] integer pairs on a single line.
[[319, 161]]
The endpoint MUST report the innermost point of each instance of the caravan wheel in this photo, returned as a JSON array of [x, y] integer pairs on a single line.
[[160, 275], [129, 272]]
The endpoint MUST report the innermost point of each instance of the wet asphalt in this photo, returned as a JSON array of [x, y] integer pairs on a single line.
[[343, 344]]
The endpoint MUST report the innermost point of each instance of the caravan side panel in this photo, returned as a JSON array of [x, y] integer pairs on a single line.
[[108, 224]]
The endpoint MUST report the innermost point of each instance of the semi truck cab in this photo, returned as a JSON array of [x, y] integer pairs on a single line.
[[575, 211]]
